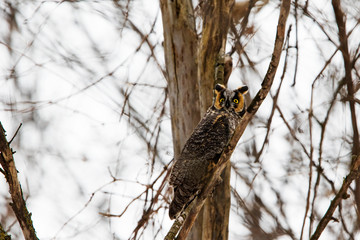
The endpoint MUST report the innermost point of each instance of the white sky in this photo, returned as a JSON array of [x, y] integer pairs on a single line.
[[84, 137]]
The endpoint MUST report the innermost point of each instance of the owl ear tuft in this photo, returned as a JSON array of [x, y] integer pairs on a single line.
[[243, 89], [219, 87]]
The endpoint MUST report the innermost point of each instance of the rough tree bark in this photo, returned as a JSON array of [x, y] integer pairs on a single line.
[[254, 106], [18, 203], [213, 220], [180, 47], [180, 56], [190, 76]]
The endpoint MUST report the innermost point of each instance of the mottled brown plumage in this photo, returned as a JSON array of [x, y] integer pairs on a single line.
[[205, 145]]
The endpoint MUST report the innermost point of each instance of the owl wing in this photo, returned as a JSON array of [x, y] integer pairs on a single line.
[[200, 153]]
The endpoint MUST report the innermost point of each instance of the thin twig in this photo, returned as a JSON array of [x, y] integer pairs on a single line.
[[354, 174], [17, 130], [275, 98], [296, 41]]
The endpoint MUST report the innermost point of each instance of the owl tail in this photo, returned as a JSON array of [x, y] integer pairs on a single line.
[[180, 201]]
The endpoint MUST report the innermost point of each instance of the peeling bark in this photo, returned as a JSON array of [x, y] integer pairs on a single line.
[[180, 46]]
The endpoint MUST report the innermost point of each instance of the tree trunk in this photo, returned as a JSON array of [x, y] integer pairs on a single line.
[[213, 220], [180, 46], [190, 90]]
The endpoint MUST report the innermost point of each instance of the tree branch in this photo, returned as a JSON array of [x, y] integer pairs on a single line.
[[18, 203], [3, 234], [179, 221], [255, 104], [344, 48], [354, 174]]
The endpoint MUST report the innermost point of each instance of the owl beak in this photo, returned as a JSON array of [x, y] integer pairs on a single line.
[[227, 104]]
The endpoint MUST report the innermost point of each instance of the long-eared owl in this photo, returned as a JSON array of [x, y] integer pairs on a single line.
[[205, 145]]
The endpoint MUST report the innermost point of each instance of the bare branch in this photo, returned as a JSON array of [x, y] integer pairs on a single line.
[[344, 48], [3, 234], [17, 130], [179, 222], [354, 174], [18, 203]]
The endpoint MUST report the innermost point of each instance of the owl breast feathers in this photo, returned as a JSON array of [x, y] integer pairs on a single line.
[[205, 145]]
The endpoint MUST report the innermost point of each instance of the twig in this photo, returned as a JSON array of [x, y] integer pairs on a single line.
[[17, 130], [18, 203], [354, 174], [323, 126], [296, 42], [275, 98], [147, 213], [344, 48]]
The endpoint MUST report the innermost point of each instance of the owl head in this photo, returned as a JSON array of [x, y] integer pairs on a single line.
[[230, 100]]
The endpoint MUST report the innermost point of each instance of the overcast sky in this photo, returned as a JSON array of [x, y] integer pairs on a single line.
[[74, 65]]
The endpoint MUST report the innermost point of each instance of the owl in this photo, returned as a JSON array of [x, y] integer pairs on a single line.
[[203, 149]]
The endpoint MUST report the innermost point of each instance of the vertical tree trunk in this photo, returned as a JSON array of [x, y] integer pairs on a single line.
[[190, 90], [213, 220], [180, 46]]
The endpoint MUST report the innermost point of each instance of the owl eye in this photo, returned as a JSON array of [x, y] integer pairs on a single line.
[[236, 100], [222, 99]]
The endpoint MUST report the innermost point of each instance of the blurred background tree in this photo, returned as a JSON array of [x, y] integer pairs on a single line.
[[90, 81]]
